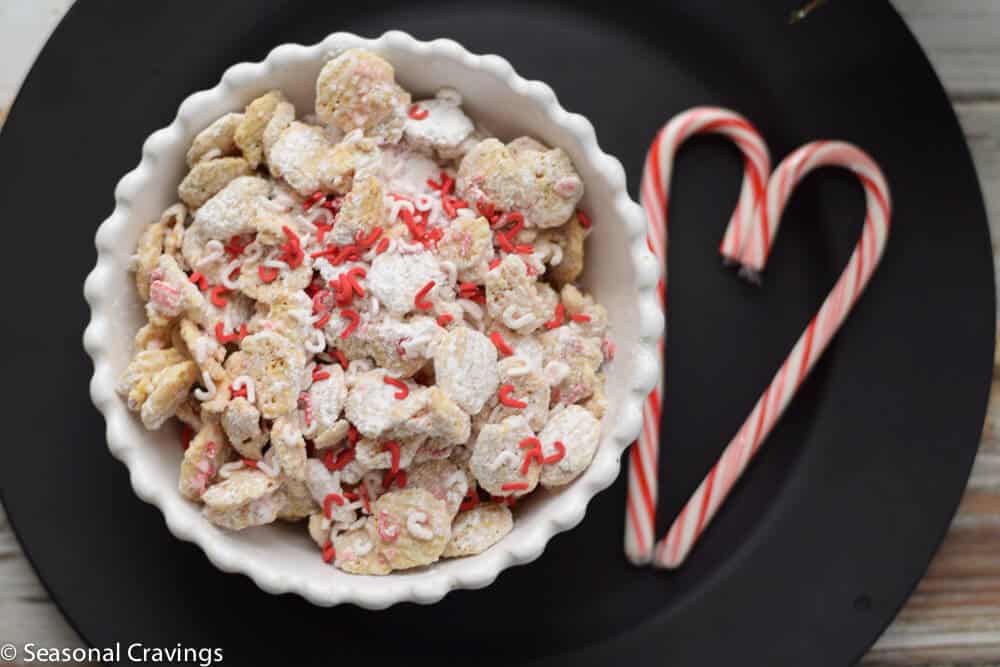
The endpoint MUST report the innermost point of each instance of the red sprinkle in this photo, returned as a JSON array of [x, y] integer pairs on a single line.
[[557, 457], [224, 338], [342, 459], [445, 186], [330, 499], [234, 248], [506, 399], [495, 263], [488, 210], [515, 486], [363, 492], [452, 204], [267, 274], [352, 279], [558, 319], [341, 358], [399, 478], [580, 317], [417, 113], [186, 434], [416, 229], [352, 434], [321, 322], [235, 273], [504, 242], [419, 301], [235, 393], [292, 250], [444, 319], [403, 392], [321, 230], [534, 453], [368, 241], [383, 245], [320, 375], [470, 501], [393, 448], [524, 249], [329, 553], [501, 344], [583, 218], [250, 463], [354, 318], [199, 280], [217, 296], [312, 199]]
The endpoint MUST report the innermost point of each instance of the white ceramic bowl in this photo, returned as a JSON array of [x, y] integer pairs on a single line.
[[620, 271]]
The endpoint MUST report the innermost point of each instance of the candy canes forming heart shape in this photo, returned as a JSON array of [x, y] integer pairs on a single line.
[[748, 242]]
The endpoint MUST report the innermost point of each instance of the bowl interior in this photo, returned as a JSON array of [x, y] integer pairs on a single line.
[[609, 275]]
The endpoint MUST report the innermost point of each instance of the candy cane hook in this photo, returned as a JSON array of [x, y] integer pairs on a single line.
[[713, 490], [641, 510]]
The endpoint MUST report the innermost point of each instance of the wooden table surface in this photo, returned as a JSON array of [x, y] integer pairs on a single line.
[[954, 616]]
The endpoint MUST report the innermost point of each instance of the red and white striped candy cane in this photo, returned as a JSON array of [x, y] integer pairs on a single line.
[[641, 512], [712, 491]]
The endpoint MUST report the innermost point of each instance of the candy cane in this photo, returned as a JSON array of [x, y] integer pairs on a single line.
[[641, 511], [712, 491]]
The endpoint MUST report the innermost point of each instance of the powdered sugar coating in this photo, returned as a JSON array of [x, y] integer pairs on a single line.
[[465, 365], [476, 530], [579, 432]]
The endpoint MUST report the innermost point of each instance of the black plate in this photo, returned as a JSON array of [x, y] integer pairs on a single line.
[[838, 516]]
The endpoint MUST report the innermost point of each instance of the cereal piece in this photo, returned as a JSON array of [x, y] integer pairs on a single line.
[[571, 363], [476, 530], [204, 348], [288, 313], [468, 244], [147, 256], [442, 479], [528, 387], [333, 435], [515, 298], [597, 404], [434, 450], [579, 433], [289, 448], [250, 133], [362, 211], [540, 184], [286, 280], [189, 414], [170, 388], [206, 453], [297, 502], [282, 117], [153, 337], [372, 405], [216, 140], [403, 171], [570, 239], [241, 422], [171, 294], [308, 161], [465, 365], [326, 398], [137, 380], [584, 314], [229, 213], [410, 528], [497, 458], [356, 553], [357, 89], [375, 455], [248, 498], [276, 366], [441, 419], [402, 347], [207, 178], [395, 279], [444, 128]]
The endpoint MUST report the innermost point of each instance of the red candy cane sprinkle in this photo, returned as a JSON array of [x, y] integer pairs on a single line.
[[223, 337], [417, 112], [320, 375], [419, 300], [235, 247], [236, 393], [250, 463], [534, 453], [329, 553], [343, 458], [506, 399], [321, 231], [403, 392], [368, 241], [558, 456], [501, 344], [363, 492], [354, 318], [312, 199], [341, 359], [329, 501], [292, 250], [352, 279], [393, 448], [217, 296], [382, 246], [515, 486], [580, 317], [321, 322], [352, 434], [558, 319], [267, 274], [452, 204], [471, 500], [186, 434], [495, 263], [444, 319], [199, 280], [583, 218]]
